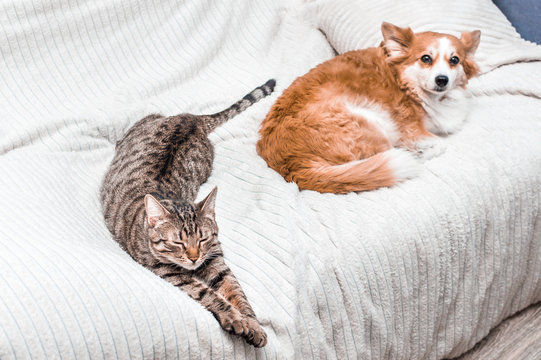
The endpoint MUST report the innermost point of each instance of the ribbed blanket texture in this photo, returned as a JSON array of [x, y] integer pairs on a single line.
[[421, 270]]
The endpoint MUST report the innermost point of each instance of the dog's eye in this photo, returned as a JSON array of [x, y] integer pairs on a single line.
[[426, 59], [454, 60]]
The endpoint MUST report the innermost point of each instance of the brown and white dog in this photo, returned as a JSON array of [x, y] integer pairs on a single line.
[[367, 118]]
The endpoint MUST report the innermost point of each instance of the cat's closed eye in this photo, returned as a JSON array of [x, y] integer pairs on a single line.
[[178, 243], [204, 240], [167, 248]]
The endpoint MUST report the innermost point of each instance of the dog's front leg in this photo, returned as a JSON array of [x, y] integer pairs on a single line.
[[422, 143], [429, 147]]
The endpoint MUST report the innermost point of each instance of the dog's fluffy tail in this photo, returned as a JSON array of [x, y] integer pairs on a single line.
[[381, 170]]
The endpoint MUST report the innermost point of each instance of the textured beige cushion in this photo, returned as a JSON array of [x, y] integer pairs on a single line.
[[356, 24]]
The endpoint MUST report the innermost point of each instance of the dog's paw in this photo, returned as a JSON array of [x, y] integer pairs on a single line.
[[429, 148]]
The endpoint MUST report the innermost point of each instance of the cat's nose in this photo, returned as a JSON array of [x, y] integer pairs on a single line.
[[192, 255]]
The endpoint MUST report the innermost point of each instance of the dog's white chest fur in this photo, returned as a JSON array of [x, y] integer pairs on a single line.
[[445, 115]]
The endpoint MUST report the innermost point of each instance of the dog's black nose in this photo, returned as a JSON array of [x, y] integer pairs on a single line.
[[441, 80]]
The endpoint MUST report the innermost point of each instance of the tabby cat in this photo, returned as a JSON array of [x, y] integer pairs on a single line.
[[148, 196]]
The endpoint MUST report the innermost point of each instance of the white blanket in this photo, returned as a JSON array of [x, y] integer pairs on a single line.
[[421, 270]]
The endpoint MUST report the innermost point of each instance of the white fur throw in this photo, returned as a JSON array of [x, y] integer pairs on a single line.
[[421, 270]]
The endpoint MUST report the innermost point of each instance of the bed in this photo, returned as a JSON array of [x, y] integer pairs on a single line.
[[422, 270]]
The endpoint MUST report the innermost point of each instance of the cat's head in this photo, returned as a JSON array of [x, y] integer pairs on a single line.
[[186, 235]]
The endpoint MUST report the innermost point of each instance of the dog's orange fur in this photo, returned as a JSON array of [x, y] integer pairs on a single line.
[[309, 131]]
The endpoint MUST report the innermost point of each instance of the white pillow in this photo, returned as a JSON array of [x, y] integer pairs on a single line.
[[356, 24]]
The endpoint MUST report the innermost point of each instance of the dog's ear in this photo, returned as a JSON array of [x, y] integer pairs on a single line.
[[396, 40], [471, 41]]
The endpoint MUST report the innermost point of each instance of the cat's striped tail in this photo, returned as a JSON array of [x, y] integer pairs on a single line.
[[215, 120]]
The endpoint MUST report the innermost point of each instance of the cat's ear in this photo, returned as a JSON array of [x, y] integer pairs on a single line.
[[154, 210], [206, 206], [396, 40]]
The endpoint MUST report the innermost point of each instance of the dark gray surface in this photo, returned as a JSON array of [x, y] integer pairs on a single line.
[[525, 15], [517, 337]]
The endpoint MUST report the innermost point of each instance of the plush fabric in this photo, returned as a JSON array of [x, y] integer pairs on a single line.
[[421, 270], [356, 24]]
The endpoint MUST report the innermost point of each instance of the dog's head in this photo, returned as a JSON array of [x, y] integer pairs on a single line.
[[429, 61]]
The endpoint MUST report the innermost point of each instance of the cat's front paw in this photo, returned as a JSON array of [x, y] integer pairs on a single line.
[[256, 335], [233, 322], [429, 148]]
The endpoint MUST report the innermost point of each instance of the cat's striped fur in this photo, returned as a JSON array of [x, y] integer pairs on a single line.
[[148, 199]]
